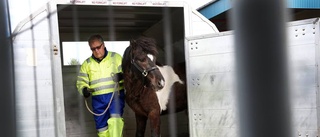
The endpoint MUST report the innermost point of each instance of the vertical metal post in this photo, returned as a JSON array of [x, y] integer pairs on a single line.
[[7, 101], [261, 65], [169, 61]]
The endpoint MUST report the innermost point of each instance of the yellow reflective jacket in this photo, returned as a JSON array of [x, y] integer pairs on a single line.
[[98, 76]]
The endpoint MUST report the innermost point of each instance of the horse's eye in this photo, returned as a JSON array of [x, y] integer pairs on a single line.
[[142, 59]]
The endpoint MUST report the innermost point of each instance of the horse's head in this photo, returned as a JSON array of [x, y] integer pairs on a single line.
[[143, 53]]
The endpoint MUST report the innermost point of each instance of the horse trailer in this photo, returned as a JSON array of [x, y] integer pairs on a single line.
[[47, 101], [48, 104]]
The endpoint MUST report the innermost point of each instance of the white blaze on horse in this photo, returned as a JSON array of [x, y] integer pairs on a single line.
[[150, 88]]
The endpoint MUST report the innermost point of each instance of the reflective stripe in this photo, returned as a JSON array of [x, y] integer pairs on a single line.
[[106, 91], [112, 54], [102, 129], [88, 60], [83, 80], [106, 87], [115, 115], [83, 74], [100, 80]]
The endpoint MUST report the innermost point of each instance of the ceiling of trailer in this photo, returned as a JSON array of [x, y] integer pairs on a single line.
[[118, 23]]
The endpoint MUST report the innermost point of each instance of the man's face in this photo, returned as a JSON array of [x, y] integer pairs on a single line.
[[97, 49]]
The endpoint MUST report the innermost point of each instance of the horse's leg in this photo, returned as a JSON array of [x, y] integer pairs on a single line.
[[141, 122], [154, 117]]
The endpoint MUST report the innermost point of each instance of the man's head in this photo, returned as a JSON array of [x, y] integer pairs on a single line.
[[97, 46]]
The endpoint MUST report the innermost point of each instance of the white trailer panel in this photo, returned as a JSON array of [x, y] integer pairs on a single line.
[[210, 65], [38, 78]]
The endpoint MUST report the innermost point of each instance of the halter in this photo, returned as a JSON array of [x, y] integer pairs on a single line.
[[144, 72]]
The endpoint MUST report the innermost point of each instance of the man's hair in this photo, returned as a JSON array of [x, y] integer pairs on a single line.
[[95, 38]]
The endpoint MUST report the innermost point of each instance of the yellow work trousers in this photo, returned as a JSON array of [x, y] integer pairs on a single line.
[[115, 128]]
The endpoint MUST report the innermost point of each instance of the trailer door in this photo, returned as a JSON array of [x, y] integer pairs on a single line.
[[210, 92], [211, 74], [38, 76]]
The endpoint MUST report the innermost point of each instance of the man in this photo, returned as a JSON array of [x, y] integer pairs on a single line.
[[98, 77]]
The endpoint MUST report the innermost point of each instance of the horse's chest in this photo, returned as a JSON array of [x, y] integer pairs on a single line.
[[163, 99], [146, 99]]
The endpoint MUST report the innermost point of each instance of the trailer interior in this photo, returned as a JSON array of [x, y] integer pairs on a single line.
[[117, 23]]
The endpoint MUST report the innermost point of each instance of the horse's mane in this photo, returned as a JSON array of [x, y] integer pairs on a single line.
[[146, 44], [126, 59], [142, 43]]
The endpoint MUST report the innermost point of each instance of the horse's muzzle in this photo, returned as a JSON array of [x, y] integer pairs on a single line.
[[161, 84]]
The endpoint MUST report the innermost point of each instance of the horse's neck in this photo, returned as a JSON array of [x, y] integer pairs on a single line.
[[170, 78], [169, 75], [133, 82]]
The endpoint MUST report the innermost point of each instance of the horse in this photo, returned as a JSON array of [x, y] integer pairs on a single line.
[[151, 87]]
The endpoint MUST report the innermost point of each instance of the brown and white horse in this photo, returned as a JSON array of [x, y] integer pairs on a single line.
[[149, 87]]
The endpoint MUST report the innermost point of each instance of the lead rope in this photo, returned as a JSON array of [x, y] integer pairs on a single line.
[[85, 101]]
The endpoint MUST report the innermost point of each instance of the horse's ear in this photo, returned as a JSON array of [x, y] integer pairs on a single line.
[[132, 41]]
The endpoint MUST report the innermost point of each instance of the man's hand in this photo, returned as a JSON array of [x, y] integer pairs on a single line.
[[90, 90], [116, 77], [87, 92]]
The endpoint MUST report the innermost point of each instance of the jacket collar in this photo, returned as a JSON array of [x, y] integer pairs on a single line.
[[105, 54]]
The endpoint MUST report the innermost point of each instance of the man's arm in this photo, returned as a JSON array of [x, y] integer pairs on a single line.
[[83, 81]]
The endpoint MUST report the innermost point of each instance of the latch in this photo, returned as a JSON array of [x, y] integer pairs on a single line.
[[55, 50]]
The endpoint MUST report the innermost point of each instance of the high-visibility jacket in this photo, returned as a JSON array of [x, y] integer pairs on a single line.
[[98, 76]]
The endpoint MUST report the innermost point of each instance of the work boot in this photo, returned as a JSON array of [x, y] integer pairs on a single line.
[[103, 133], [115, 127]]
